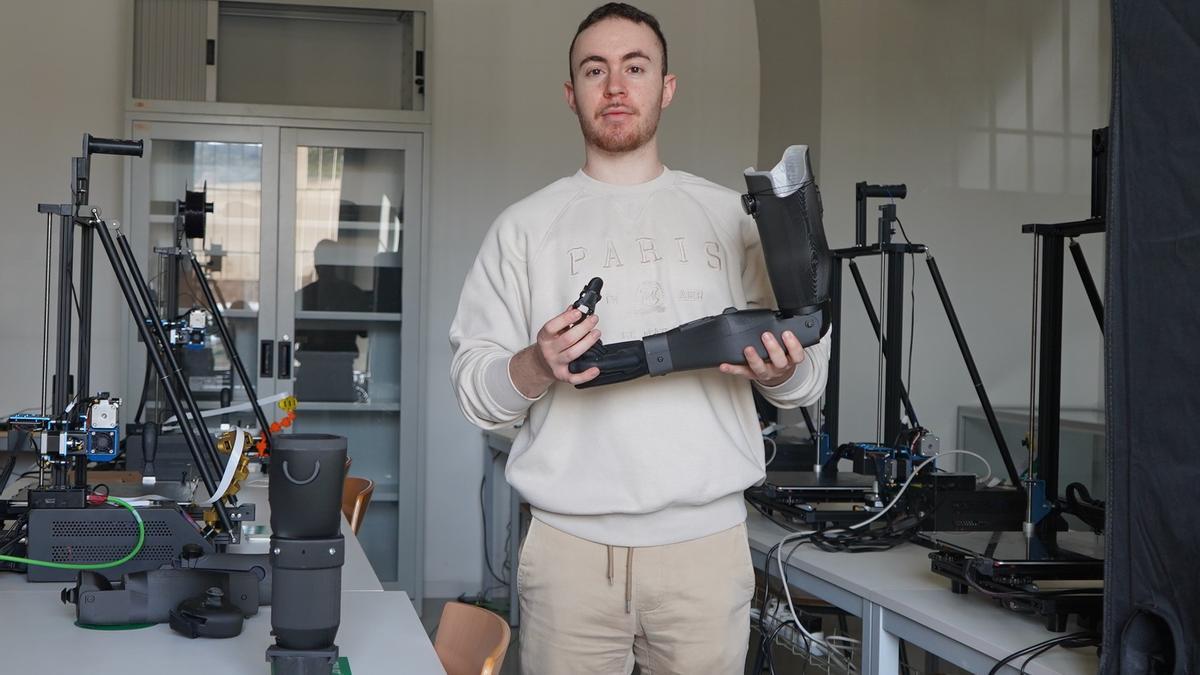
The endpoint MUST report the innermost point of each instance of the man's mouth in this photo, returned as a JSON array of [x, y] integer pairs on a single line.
[[616, 113]]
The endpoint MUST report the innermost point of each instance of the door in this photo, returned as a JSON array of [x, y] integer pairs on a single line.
[[237, 168], [349, 242]]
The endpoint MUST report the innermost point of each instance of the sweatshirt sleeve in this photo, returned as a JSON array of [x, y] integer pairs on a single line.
[[491, 325], [807, 383]]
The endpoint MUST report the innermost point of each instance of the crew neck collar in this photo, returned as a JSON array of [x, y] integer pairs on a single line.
[[664, 179]]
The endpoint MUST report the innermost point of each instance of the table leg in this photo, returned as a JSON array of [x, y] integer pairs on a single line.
[[881, 650]]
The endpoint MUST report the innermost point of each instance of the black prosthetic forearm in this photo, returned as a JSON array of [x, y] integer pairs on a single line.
[[703, 343]]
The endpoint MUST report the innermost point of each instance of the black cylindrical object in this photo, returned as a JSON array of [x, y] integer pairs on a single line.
[[84, 362], [306, 591], [307, 551], [306, 485], [893, 326], [111, 146], [864, 191], [969, 360], [62, 354], [899, 191], [1089, 284]]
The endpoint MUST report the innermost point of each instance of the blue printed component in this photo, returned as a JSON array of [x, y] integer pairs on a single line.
[[103, 444], [28, 420], [824, 451], [1037, 499], [190, 332], [101, 429]]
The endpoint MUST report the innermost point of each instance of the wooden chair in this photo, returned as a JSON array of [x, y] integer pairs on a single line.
[[356, 497], [471, 640]]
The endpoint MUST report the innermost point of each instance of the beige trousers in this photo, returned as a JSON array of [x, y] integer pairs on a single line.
[[589, 608]]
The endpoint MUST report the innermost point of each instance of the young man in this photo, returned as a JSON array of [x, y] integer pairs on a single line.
[[637, 550]]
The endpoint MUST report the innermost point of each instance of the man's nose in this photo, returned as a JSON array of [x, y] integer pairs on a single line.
[[615, 86]]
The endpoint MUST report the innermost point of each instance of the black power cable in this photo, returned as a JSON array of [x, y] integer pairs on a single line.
[[1072, 641], [6, 472], [1003, 593]]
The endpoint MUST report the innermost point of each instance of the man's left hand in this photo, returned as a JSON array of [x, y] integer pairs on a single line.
[[781, 362]]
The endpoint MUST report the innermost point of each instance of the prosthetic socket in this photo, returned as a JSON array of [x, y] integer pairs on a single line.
[[786, 206]]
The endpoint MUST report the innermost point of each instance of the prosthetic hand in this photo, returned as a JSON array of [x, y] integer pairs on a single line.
[[786, 206]]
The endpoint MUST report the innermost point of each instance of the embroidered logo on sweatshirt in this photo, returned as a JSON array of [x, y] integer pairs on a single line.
[[616, 254], [650, 298]]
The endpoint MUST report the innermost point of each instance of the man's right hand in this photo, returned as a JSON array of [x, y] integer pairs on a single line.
[[543, 363]]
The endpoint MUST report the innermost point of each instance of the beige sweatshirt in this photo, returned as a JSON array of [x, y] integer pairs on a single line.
[[653, 460]]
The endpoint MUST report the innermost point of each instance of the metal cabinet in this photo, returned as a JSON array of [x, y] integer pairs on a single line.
[[313, 251]]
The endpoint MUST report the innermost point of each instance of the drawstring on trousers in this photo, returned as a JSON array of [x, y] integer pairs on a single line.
[[628, 574], [628, 577]]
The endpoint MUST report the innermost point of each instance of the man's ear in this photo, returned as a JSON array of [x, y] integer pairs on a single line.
[[668, 89], [569, 93]]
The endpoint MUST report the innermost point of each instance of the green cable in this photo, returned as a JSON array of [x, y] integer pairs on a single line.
[[125, 626], [92, 566]]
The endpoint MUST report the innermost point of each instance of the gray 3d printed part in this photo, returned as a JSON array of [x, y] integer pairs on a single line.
[[149, 597]]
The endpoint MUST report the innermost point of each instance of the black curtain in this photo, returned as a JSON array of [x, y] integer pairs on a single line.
[[1152, 334]]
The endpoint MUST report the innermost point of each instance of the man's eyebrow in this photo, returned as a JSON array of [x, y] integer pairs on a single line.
[[592, 58], [596, 58]]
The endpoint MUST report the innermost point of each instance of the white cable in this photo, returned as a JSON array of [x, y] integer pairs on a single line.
[[148, 500], [796, 535], [239, 442], [985, 479], [788, 593], [244, 405], [913, 475], [774, 450]]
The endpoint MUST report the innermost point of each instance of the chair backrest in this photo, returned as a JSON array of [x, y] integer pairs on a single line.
[[471, 640], [356, 497]]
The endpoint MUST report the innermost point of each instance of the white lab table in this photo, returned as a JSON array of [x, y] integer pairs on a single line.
[[899, 598], [380, 631]]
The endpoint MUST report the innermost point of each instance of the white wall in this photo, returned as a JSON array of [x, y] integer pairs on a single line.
[[62, 73], [984, 109], [789, 49], [501, 131]]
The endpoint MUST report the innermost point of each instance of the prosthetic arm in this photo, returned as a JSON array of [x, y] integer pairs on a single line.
[[787, 208]]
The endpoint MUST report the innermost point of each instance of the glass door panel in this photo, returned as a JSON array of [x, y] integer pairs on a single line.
[[349, 226], [227, 163], [347, 274]]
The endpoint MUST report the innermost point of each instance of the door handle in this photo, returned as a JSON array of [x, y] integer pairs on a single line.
[[266, 358], [285, 359]]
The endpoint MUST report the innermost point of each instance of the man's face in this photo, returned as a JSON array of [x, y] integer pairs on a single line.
[[619, 88]]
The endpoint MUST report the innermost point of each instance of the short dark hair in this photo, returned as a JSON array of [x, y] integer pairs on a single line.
[[618, 10]]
